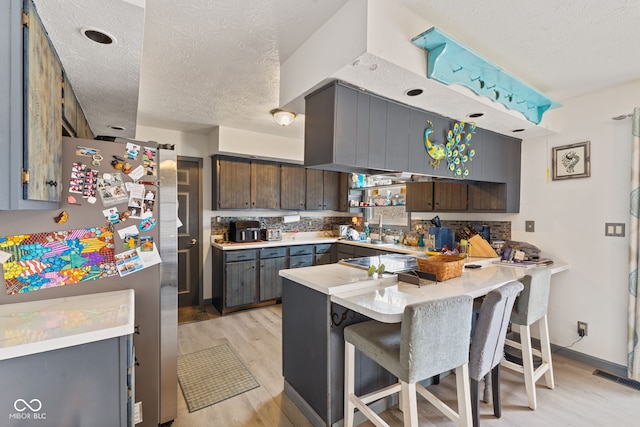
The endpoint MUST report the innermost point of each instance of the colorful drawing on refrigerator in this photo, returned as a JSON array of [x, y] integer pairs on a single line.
[[46, 260]]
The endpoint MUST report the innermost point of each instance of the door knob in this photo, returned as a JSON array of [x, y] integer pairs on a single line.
[[193, 242]]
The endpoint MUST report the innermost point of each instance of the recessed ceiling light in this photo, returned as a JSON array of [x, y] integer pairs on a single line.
[[116, 127], [517, 130], [97, 35], [414, 92], [474, 115]]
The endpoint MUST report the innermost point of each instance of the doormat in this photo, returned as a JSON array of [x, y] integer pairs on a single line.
[[210, 376], [192, 314]]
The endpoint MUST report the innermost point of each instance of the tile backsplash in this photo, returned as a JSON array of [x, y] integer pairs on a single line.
[[306, 224], [500, 230]]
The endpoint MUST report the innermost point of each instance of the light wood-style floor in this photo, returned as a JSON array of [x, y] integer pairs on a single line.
[[579, 399]]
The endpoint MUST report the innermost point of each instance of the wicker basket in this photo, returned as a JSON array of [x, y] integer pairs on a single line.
[[445, 267]]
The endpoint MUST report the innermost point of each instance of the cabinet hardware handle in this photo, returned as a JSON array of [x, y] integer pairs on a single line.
[[52, 183]]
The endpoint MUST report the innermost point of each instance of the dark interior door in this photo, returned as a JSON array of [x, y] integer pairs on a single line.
[[189, 246]]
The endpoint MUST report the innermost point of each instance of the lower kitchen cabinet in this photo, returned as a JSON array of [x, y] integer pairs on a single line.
[[324, 254], [272, 260], [346, 251], [251, 277], [242, 275], [82, 385]]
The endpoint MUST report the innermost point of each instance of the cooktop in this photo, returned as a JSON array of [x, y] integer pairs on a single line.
[[393, 263]]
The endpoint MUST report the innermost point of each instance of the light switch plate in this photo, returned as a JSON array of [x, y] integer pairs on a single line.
[[530, 226], [614, 229]]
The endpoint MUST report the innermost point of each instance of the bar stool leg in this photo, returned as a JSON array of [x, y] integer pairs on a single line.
[[545, 348], [349, 383], [527, 365], [463, 389], [409, 404]]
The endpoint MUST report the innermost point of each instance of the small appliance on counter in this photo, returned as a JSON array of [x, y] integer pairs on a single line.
[[341, 230], [443, 236], [244, 231], [270, 234]]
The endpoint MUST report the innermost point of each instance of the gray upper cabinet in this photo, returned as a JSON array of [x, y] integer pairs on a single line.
[[377, 133], [346, 125], [397, 137], [363, 120]]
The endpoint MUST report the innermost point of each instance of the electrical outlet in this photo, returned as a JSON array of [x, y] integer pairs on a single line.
[[530, 226], [582, 329]]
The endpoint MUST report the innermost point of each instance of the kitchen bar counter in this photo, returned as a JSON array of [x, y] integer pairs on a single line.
[[38, 326], [385, 302], [319, 302]]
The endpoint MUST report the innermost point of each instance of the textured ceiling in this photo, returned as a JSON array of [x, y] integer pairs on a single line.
[[206, 63], [105, 78]]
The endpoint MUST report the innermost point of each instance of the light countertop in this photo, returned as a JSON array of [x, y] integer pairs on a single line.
[[316, 238], [288, 239], [39, 326], [384, 299]]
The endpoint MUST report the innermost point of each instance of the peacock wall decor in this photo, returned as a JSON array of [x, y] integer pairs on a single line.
[[456, 151]]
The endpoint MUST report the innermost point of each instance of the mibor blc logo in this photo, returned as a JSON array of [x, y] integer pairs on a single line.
[[28, 410]]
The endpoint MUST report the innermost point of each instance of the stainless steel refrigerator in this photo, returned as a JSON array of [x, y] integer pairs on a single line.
[[85, 165]]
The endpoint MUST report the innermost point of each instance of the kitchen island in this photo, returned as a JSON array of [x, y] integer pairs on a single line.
[[319, 302]]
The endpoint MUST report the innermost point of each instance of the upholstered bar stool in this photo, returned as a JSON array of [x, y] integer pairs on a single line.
[[487, 344], [531, 307], [432, 338]]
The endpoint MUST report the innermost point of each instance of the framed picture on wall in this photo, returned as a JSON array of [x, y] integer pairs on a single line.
[[571, 161]]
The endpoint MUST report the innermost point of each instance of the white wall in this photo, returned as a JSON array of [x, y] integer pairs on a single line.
[[244, 142], [570, 218]]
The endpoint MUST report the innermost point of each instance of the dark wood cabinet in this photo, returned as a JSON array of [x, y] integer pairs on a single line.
[[448, 196], [240, 183], [323, 190], [43, 114], [331, 191], [419, 197], [265, 185], [232, 183], [272, 260], [248, 278], [240, 279], [315, 189], [293, 182], [487, 196], [345, 251], [69, 107], [324, 254]]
